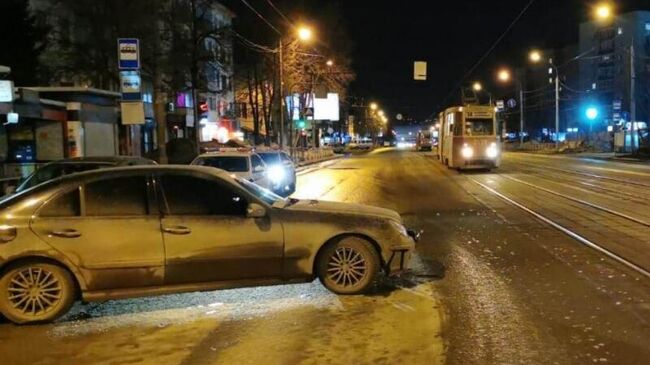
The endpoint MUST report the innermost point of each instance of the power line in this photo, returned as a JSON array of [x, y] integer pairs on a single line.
[[261, 17], [279, 12], [494, 45]]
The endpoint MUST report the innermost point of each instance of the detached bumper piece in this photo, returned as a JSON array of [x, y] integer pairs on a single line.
[[399, 258]]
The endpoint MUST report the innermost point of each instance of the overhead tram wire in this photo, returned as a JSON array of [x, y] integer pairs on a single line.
[[261, 17], [279, 12], [489, 51]]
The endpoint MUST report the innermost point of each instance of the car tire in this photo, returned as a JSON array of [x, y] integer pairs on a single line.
[[349, 266], [36, 292]]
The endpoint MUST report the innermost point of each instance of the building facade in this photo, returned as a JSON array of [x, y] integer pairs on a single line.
[[615, 72]]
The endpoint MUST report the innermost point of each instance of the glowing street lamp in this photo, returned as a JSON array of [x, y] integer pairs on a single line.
[[504, 75], [477, 86], [374, 106], [304, 33], [329, 63], [535, 56], [380, 113], [603, 11]]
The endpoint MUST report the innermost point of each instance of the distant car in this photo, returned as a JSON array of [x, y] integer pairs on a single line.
[[280, 170], [152, 230], [240, 162], [68, 166]]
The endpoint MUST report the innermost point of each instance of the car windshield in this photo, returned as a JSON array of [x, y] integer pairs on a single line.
[[228, 163], [270, 157], [264, 194]]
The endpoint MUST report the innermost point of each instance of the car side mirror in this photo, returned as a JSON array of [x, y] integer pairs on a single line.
[[255, 211]]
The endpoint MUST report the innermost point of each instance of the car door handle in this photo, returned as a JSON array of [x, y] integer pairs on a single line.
[[66, 233], [177, 230]]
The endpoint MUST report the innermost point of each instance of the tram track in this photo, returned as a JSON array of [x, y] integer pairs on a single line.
[[566, 230]]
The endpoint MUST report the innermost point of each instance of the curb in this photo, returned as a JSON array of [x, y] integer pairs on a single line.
[[316, 165]]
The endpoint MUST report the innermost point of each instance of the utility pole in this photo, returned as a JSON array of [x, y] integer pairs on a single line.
[[557, 110], [632, 96], [281, 94], [521, 114]]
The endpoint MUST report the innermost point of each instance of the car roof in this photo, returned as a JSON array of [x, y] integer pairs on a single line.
[[114, 160], [226, 153]]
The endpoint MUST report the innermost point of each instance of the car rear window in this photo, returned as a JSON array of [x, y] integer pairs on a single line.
[[228, 163]]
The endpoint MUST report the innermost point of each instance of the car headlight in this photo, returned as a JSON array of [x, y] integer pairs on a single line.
[[492, 151], [400, 228], [276, 173], [467, 151]]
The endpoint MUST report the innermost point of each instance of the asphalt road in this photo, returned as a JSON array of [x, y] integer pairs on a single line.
[[491, 282]]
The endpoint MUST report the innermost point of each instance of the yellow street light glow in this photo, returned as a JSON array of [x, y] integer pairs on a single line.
[[381, 113], [535, 56], [304, 33], [603, 11], [504, 75], [374, 106], [330, 63], [477, 86]]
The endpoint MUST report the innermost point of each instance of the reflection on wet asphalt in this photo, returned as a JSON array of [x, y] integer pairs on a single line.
[[489, 285]]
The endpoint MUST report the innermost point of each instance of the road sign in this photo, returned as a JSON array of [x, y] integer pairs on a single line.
[[420, 71], [130, 85], [6, 91], [500, 104], [512, 103], [128, 53]]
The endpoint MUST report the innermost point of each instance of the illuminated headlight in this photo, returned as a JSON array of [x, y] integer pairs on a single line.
[[400, 228], [276, 174], [467, 151], [492, 151]]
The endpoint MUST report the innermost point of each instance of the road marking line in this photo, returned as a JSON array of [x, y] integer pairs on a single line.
[[566, 231]]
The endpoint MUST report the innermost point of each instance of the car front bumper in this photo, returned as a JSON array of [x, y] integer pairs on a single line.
[[400, 255]]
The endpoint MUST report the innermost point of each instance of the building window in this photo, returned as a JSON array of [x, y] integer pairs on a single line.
[[647, 27]]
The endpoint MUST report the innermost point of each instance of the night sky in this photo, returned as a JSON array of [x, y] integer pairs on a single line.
[[451, 36]]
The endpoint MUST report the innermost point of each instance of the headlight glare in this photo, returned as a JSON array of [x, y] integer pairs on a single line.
[[276, 173], [467, 151], [492, 151]]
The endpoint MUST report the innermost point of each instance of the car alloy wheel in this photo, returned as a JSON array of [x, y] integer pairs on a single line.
[[349, 266], [36, 292], [346, 267]]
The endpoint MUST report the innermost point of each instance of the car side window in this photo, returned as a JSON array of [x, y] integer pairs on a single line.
[[122, 196], [64, 205], [256, 162], [188, 195]]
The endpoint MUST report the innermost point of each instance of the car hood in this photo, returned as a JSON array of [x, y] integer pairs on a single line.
[[344, 208]]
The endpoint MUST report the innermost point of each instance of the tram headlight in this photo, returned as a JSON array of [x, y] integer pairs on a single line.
[[492, 151], [467, 151]]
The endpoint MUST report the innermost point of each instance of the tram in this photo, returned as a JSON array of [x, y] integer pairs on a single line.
[[469, 138]]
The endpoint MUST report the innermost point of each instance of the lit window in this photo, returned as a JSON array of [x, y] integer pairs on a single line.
[[550, 70], [647, 26], [620, 30], [593, 86]]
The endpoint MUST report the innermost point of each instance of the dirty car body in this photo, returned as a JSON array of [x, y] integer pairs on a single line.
[[147, 230]]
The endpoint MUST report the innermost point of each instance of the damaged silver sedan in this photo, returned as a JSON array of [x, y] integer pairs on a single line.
[[151, 230]]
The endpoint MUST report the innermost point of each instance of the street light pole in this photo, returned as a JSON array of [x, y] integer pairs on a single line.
[[557, 110], [521, 114], [281, 94]]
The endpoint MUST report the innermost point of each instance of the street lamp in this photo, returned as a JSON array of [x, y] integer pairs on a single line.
[[329, 63], [380, 113], [304, 34], [373, 106], [504, 75], [535, 56], [603, 11], [477, 86]]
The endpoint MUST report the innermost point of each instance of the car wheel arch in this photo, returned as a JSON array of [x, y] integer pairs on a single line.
[[7, 266], [341, 236]]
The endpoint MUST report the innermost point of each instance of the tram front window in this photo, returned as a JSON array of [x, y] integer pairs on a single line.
[[479, 127]]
